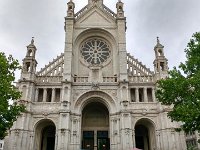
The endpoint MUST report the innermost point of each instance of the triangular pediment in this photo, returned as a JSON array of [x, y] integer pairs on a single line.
[[96, 17]]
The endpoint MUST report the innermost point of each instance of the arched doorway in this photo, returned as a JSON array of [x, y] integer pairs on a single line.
[[95, 127], [45, 135], [145, 135]]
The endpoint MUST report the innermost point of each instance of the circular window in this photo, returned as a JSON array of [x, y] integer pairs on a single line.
[[95, 51]]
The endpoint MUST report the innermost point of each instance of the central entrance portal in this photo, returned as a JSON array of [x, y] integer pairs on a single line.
[[95, 127]]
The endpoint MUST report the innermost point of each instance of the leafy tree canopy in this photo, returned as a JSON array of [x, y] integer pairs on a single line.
[[9, 109], [182, 88]]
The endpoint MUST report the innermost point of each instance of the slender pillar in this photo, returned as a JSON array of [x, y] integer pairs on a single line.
[[137, 94], [145, 94], [134, 144], [45, 95], [53, 95], [36, 94], [153, 95]]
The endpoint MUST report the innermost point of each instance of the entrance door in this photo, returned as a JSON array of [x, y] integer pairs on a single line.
[[88, 140], [103, 140], [95, 126], [145, 135]]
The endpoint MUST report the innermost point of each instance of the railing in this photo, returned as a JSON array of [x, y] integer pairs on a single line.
[[81, 79], [109, 11], [109, 79], [49, 79], [141, 79], [135, 67], [79, 13], [86, 79], [52, 65]]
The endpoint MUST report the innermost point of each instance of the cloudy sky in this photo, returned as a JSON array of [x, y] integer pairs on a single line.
[[174, 21]]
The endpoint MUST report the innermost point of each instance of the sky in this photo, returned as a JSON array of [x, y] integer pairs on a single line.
[[173, 21]]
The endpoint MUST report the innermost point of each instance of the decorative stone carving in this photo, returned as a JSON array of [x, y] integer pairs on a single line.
[[90, 94], [77, 92], [64, 115], [113, 93], [124, 103], [144, 112], [65, 103], [17, 131], [95, 86], [74, 133], [127, 131], [125, 115], [63, 131], [115, 132], [45, 114]]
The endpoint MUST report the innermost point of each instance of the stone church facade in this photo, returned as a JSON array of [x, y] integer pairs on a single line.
[[95, 95]]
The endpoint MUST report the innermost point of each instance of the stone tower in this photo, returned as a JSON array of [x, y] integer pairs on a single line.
[[160, 62], [94, 95], [29, 62]]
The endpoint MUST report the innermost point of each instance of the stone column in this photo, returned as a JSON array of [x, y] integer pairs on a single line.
[[53, 95], [153, 95], [145, 94], [134, 143], [36, 94], [137, 94], [44, 95], [126, 132]]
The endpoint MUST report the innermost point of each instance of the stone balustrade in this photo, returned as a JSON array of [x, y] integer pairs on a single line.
[[79, 13], [141, 79], [109, 11], [81, 79], [110, 79], [49, 79]]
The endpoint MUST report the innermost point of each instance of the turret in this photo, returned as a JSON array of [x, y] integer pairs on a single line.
[[69, 30], [70, 9], [120, 11], [29, 62], [160, 62], [121, 27]]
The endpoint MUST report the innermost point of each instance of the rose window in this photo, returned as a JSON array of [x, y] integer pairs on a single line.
[[95, 51]]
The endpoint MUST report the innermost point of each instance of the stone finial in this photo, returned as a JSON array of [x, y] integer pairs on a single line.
[[158, 41], [94, 2], [158, 45], [32, 41]]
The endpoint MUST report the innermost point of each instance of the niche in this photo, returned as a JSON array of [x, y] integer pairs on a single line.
[[133, 95]]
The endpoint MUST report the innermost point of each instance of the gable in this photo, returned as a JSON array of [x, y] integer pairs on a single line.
[[96, 16]]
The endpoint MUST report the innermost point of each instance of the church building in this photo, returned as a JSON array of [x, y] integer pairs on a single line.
[[95, 95]]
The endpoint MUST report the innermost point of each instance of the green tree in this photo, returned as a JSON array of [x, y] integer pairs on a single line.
[[9, 109], [182, 88]]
